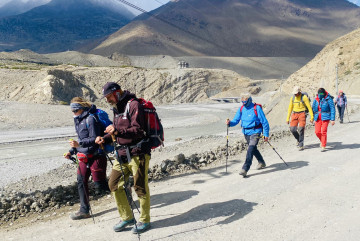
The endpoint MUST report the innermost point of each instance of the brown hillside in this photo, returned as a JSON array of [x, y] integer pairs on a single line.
[[268, 28], [321, 72]]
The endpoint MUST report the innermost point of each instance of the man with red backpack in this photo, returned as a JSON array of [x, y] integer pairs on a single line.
[[129, 130], [253, 123]]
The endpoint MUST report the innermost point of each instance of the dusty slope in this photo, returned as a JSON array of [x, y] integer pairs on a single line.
[[268, 28], [59, 84], [343, 52], [314, 199]]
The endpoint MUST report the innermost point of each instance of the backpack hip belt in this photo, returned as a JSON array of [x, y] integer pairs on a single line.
[[255, 127]]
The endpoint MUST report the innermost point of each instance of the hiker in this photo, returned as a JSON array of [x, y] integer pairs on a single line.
[[324, 110], [298, 106], [128, 129], [253, 123], [341, 103], [91, 160]]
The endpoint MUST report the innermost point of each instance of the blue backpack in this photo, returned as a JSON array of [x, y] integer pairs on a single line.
[[102, 117]]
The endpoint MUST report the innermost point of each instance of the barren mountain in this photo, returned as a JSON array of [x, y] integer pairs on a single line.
[[60, 25], [268, 28], [343, 52]]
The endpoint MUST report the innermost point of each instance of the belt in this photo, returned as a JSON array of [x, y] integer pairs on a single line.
[[298, 112]]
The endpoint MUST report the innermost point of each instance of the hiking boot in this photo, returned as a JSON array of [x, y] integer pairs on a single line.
[[140, 227], [301, 148], [243, 173], [323, 149], [79, 215], [260, 166], [122, 225]]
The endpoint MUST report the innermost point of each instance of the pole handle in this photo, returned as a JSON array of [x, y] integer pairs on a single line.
[[113, 138]]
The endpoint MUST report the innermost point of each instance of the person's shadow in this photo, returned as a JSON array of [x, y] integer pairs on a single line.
[[334, 146], [280, 167], [165, 199], [230, 211]]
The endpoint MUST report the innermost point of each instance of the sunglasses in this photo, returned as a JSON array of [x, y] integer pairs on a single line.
[[74, 111]]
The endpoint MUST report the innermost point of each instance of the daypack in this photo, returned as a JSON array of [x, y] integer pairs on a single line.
[[102, 117], [302, 95], [255, 110], [153, 127]]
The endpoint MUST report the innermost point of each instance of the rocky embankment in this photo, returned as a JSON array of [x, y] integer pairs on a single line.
[[16, 201]]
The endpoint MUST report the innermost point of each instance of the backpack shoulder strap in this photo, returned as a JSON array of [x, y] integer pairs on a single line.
[[87, 120], [255, 110], [241, 108]]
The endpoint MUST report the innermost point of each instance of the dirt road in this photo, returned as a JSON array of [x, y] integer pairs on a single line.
[[316, 198]]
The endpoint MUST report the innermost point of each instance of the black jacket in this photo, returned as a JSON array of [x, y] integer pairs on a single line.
[[87, 127]]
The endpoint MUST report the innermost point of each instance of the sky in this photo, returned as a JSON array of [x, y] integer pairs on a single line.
[[149, 5]]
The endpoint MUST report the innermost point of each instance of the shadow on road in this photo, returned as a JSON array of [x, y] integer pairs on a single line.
[[334, 146], [280, 167], [164, 199], [230, 211]]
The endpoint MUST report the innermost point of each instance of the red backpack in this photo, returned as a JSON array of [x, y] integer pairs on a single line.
[[255, 110], [153, 127]]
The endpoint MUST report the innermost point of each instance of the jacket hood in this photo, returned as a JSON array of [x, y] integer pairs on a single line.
[[123, 101], [86, 112]]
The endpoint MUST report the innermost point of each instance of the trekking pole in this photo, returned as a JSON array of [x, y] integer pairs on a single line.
[[276, 152], [102, 148], [125, 183], [347, 113], [82, 180], [227, 146]]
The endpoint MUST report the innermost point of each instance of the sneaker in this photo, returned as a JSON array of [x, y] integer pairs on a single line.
[[79, 215], [140, 227], [260, 166], [122, 225], [243, 173], [301, 148], [323, 149]]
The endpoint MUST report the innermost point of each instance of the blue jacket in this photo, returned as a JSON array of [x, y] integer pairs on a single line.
[[327, 108], [87, 131], [249, 121]]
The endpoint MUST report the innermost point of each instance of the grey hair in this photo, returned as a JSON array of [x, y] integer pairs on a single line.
[[245, 95]]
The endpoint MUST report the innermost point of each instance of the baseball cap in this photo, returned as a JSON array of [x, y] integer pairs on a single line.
[[109, 88], [296, 90]]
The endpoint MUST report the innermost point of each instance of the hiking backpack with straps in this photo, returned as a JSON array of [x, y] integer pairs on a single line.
[[153, 127], [255, 111], [302, 101], [102, 117]]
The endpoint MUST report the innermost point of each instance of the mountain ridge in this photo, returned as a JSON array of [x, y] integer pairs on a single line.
[[269, 28], [59, 26]]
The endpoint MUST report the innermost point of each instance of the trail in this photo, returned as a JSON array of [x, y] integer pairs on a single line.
[[317, 198]]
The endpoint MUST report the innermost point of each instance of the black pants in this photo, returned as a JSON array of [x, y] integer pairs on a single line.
[[341, 110], [252, 141]]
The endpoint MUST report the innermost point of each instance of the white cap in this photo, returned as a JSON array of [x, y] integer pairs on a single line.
[[296, 90]]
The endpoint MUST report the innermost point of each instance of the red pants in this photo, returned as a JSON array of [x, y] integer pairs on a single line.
[[321, 131]]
